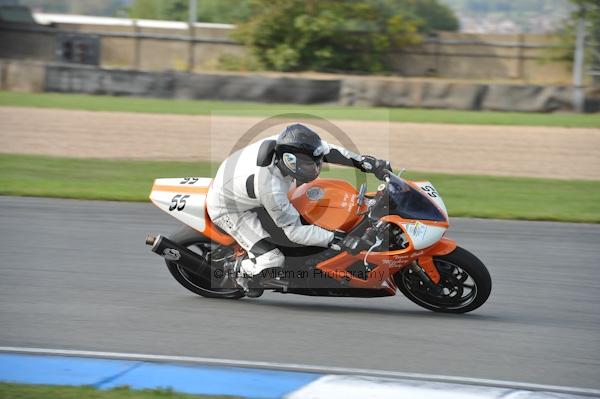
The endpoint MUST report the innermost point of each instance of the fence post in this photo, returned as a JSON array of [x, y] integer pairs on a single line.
[[520, 59], [578, 95], [137, 46], [193, 11], [436, 56]]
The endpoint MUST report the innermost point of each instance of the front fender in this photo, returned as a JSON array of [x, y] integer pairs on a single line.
[[442, 247]]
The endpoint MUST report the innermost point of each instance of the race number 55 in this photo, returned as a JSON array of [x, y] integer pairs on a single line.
[[178, 202], [430, 191]]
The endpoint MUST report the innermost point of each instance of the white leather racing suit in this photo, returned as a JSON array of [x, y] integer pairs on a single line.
[[241, 185]]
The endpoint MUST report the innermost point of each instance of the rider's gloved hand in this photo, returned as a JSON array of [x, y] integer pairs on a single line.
[[336, 242], [353, 244], [376, 166]]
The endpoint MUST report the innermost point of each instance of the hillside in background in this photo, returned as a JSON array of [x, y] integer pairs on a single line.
[[510, 16]]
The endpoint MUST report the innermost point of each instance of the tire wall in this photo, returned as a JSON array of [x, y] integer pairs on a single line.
[[22, 76], [279, 88], [226, 87]]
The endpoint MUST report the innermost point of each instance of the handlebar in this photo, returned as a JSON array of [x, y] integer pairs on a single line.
[[386, 175]]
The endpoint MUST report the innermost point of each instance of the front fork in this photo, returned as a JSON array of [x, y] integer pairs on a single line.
[[428, 282], [425, 268]]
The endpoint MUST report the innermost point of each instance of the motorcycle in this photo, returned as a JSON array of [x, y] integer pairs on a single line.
[[406, 221]]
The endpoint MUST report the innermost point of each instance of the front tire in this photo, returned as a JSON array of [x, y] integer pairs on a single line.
[[201, 285], [465, 282]]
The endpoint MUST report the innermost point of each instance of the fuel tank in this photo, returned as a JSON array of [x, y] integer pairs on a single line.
[[328, 203]]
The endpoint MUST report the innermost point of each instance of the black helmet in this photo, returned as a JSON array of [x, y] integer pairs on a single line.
[[299, 151]]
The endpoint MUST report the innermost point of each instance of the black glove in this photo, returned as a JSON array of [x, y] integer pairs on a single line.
[[353, 244], [376, 166]]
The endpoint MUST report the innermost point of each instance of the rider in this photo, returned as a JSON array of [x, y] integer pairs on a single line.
[[260, 175]]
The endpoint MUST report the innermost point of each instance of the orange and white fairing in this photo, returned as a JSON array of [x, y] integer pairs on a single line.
[[185, 199]]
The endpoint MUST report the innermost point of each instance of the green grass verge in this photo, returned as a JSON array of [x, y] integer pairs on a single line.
[[473, 196], [20, 391], [191, 107]]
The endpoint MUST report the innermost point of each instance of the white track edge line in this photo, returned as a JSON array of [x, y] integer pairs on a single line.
[[306, 368]]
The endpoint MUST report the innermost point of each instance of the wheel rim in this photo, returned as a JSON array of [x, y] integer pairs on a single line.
[[459, 288], [202, 249]]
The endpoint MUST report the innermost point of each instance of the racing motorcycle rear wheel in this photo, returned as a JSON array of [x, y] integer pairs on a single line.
[[199, 284], [465, 284]]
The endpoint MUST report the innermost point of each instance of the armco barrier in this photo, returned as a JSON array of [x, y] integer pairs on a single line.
[[105, 370]]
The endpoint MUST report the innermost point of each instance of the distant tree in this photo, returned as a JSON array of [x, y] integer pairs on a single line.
[[286, 35], [434, 15], [289, 35], [146, 9], [223, 11]]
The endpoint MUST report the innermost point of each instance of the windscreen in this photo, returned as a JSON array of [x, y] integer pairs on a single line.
[[409, 203]]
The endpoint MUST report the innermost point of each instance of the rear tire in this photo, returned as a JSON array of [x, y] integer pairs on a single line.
[[200, 285], [465, 281]]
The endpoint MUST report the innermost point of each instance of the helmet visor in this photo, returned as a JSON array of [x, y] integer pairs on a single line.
[[303, 167]]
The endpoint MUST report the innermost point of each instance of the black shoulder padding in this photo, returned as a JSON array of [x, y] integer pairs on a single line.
[[265, 153]]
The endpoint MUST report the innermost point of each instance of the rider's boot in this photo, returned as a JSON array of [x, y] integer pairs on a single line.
[[257, 273], [254, 285]]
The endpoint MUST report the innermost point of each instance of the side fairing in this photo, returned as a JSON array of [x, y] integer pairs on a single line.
[[183, 198], [423, 235]]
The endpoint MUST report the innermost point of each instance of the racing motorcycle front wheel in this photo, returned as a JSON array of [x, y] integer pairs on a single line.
[[465, 284]]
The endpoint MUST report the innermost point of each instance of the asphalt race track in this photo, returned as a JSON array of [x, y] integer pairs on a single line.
[[77, 275]]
